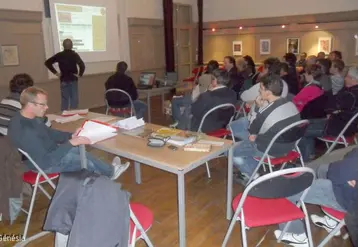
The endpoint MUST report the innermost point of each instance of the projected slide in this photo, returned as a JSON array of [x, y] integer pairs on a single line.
[[84, 25]]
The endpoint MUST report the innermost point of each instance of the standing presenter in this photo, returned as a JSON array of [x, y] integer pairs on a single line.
[[67, 60]]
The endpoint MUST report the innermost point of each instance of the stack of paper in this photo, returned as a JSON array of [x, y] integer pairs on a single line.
[[74, 112], [129, 123], [96, 131], [64, 119]]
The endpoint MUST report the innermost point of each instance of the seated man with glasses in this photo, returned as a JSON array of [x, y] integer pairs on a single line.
[[54, 151]]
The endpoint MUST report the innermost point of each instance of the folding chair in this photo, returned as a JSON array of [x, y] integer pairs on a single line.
[[340, 139], [220, 133], [290, 134], [36, 180], [337, 216], [122, 110], [241, 109], [264, 202], [141, 221]]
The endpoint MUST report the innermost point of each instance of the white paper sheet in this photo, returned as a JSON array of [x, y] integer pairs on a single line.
[[129, 123], [62, 119], [97, 132], [74, 112]]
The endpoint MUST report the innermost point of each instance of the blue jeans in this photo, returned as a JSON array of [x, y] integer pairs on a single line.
[[140, 108], [243, 157], [72, 162], [307, 144], [321, 193], [178, 102], [69, 95], [240, 128]]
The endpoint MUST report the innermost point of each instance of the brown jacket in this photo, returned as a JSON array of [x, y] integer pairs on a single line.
[[11, 170]]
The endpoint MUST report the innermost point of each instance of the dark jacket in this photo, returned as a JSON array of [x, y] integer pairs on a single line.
[[11, 170], [208, 100], [292, 80], [67, 61], [123, 82]]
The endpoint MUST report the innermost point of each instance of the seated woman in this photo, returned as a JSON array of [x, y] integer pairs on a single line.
[[186, 100], [244, 81], [312, 90]]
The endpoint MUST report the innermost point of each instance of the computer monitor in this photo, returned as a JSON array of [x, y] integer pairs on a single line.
[[147, 78]]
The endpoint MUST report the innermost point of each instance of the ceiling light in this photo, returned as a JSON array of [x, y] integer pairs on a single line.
[[283, 26], [316, 26], [240, 28], [213, 29]]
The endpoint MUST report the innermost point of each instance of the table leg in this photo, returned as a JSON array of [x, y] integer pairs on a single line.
[[181, 209], [149, 108], [163, 94], [138, 177], [229, 184], [83, 156]]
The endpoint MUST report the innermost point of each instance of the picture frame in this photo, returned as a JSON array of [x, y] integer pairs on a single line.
[[356, 39], [265, 46], [10, 55], [293, 45], [324, 44], [237, 48]]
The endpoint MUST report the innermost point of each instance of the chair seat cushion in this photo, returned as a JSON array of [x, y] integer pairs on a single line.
[[349, 139], [120, 110], [219, 133], [144, 216], [290, 157], [30, 177], [334, 213], [263, 212]]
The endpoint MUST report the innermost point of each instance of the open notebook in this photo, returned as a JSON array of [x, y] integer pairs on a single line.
[[97, 131]]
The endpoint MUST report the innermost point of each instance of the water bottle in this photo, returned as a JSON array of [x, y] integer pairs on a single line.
[[165, 80]]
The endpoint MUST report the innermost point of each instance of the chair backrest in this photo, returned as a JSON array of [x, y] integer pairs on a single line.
[[39, 170], [225, 107], [280, 184], [120, 91]]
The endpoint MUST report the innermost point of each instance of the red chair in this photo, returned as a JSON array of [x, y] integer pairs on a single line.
[[220, 133], [141, 221], [340, 139], [36, 180], [122, 110], [196, 72], [264, 202]]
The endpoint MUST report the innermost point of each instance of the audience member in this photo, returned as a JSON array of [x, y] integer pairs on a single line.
[[292, 77], [251, 67], [217, 94], [312, 90], [186, 100], [67, 61], [333, 55], [339, 108], [121, 81], [337, 78], [302, 61], [230, 67], [321, 55], [244, 81], [269, 120], [53, 150], [325, 80]]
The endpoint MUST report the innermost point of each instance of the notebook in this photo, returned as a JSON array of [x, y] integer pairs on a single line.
[[197, 147], [97, 131]]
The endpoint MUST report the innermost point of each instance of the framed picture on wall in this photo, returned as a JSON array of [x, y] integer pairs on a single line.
[[356, 46], [324, 44], [293, 45], [9, 55], [265, 46], [237, 48]]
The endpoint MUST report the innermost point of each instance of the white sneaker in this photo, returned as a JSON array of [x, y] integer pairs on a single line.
[[325, 222], [174, 125], [296, 240], [118, 167]]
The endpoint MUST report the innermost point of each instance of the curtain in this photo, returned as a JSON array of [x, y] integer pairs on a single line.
[[200, 32], [168, 35]]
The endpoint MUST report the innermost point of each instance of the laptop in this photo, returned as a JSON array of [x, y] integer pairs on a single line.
[[146, 80]]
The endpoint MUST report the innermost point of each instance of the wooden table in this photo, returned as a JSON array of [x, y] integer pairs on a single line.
[[178, 162]]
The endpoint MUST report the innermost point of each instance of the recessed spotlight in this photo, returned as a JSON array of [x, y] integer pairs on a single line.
[[240, 28], [316, 26], [283, 26], [213, 29], [356, 36]]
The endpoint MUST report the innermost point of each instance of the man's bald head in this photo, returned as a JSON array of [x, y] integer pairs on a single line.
[[67, 44]]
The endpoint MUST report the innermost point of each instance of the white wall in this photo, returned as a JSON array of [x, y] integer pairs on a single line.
[[215, 10], [30, 5]]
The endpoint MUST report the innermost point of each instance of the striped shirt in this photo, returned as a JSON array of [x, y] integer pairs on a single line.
[[8, 108]]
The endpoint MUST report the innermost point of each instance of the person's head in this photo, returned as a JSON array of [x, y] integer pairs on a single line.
[[229, 62], [314, 72], [272, 65], [212, 65], [271, 86], [337, 67], [122, 67], [34, 102], [321, 55], [250, 63], [67, 44], [325, 65], [351, 78], [284, 69], [311, 60], [20, 82], [303, 56], [241, 64], [335, 55], [290, 58], [219, 78]]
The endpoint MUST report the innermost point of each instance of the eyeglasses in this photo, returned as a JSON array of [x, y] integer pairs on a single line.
[[37, 103]]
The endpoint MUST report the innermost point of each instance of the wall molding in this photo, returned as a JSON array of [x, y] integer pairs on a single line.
[[20, 15]]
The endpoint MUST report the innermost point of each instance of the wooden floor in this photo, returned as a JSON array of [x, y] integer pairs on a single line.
[[205, 206]]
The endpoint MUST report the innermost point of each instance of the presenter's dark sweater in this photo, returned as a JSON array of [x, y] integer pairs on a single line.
[[46, 146]]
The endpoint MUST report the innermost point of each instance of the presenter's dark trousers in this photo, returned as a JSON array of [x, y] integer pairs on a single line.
[[69, 95]]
